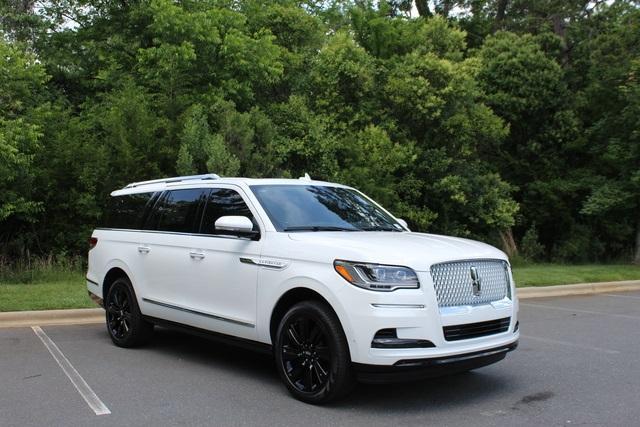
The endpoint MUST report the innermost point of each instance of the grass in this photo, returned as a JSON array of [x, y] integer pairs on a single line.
[[46, 295], [560, 274], [49, 284], [43, 284]]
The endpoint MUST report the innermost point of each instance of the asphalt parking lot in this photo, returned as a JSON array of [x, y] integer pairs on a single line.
[[578, 363]]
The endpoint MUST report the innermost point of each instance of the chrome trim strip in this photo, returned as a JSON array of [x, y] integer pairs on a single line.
[[223, 236], [199, 313], [418, 306]]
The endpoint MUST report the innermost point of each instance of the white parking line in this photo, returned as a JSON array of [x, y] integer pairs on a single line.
[[76, 379], [621, 296], [575, 310], [570, 344]]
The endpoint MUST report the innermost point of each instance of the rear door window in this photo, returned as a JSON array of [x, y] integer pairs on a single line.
[[178, 211]]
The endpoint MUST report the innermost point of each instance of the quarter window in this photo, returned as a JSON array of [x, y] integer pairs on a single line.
[[127, 212], [178, 211]]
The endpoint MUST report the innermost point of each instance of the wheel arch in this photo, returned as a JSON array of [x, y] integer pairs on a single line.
[[288, 300], [299, 293], [115, 269]]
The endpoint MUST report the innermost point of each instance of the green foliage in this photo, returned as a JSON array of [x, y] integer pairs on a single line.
[[530, 247], [22, 110], [478, 118], [18, 141], [342, 80], [200, 150]]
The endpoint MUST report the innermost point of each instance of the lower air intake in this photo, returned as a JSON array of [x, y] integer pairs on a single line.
[[476, 330]]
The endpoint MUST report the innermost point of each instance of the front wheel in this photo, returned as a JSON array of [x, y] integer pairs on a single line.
[[125, 324], [312, 355]]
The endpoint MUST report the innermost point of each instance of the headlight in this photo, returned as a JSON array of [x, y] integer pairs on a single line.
[[377, 277]]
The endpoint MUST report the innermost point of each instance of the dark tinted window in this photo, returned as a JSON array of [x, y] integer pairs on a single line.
[[321, 208], [178, 211], [126, 211], [223, 202]]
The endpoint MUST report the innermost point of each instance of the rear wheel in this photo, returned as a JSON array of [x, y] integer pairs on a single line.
[[125, 324], [312, 354]]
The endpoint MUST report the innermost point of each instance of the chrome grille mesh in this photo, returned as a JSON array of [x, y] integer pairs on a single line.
[[454, 286]]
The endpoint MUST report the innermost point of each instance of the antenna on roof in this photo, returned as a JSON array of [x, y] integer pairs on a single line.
[[306, 177]]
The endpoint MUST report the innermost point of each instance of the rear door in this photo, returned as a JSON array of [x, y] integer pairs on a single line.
[[163, 250]]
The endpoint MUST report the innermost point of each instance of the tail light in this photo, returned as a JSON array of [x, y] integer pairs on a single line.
[[93, 241]]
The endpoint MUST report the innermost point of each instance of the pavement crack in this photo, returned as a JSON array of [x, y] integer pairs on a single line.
[[32, 376]]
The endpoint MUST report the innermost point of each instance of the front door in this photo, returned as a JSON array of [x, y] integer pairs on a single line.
[[219, 289]]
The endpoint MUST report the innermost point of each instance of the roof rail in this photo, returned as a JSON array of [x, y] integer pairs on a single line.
[[174, 179]]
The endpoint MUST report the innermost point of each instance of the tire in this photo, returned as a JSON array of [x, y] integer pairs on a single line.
[[125, 324], [312, 355]]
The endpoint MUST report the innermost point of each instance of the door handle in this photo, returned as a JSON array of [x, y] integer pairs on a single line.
[[144, 249], [196, 254]]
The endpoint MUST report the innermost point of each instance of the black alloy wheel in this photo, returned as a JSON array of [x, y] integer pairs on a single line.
[[305, 354], [125, 323], [312, 354], [119, 313]]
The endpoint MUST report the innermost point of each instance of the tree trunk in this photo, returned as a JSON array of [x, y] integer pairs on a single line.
[[445, 7], [423, 8], [509, 243], [559, 30], [500, 14], [636, 258]]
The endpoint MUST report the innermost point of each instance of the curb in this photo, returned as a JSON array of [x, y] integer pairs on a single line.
[[21, 319], [16, 319], [577, 289]]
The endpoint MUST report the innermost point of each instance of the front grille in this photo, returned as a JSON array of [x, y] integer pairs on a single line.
[[454, 285], [475, 330]]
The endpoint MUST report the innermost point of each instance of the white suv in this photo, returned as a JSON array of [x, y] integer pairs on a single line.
[[334, 285]]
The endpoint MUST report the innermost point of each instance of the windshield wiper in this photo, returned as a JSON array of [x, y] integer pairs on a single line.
[[379, 228], [319, 228]]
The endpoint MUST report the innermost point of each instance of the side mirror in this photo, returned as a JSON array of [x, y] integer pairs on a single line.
[[403, 223], [240, 225]]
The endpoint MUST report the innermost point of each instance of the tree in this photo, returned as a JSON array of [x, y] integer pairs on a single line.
[[497, 119], [200, 150], [22, 109], [611, 104], [525, 87]]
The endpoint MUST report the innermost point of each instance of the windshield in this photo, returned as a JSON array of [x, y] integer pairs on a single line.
[[321, 208]]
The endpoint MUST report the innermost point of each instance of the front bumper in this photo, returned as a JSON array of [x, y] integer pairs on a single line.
[[415, 315], [417, 369]]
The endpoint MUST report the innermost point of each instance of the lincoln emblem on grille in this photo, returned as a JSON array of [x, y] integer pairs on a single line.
[[476, 281]]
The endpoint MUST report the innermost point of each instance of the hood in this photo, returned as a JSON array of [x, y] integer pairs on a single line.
[[416, 250]]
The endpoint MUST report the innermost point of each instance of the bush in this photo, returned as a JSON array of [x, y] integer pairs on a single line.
[[583, 246], [31, 269], [530, 248]]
